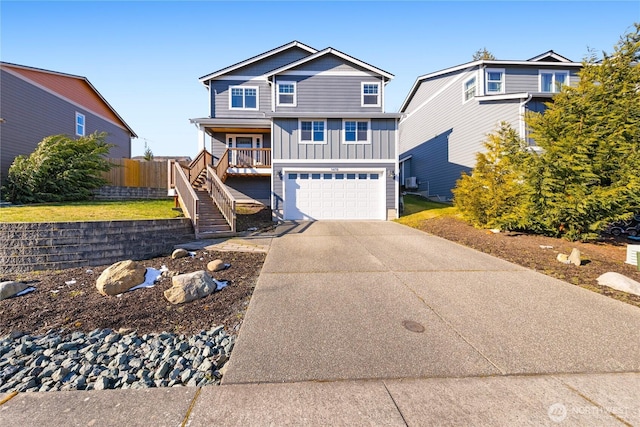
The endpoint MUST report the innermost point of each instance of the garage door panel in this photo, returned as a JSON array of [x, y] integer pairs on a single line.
[[344, 195]]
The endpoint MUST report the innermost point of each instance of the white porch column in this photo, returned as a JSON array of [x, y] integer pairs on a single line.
[[202, 138]]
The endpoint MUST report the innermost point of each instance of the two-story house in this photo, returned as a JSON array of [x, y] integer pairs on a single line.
[[304, 131], [37, 103], [448, 114]]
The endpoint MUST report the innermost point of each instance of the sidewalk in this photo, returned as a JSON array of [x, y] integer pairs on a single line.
[[558, 400]]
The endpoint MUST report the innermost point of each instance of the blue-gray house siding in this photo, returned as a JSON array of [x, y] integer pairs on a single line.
[[30, 114], [441, 132]]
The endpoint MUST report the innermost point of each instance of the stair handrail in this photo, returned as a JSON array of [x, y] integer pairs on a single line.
[[258, 157], [223, 165], [186, 195], [198, 164], [223, 199]]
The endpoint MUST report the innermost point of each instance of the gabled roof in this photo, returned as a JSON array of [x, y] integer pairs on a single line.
[[549, 56], [72, 88], [331, 51], [548, 59], [257, 58]]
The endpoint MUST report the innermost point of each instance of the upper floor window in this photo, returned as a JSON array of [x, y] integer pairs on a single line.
[[80, 124], [244, 97], [470, 89], [495, 81], [356, 132], [312, 131], [370, 94], [552, 81], [287, 93]]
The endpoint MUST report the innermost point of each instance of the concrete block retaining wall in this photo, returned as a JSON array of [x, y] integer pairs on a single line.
[[57, 245], [129, 193]]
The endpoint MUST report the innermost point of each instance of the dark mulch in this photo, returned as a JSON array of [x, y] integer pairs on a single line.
[[525, 250]]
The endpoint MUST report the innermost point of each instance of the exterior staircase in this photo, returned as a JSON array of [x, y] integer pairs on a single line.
[[210, 222]]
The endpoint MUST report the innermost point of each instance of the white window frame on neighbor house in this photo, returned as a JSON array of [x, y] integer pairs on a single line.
[[312, 139], [468, 90], [293, 94], [363, 94], [81, 124], [244, 97], [555, 87], [487, 82], [357, 131]]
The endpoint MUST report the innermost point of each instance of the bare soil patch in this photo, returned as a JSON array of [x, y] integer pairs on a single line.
[[59, 303], [539, 253]]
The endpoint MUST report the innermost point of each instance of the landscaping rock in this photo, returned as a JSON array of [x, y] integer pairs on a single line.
[[9, 289], [190, 287], [120, 277], [619, 282], [574, 257], [563, 258], [216, 265], [179, 253]]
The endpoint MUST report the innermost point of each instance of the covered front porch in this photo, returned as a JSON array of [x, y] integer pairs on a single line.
[[239, 147]]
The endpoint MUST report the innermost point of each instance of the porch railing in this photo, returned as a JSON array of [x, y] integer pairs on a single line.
[[223, 199], [186, 194], [249, 157]]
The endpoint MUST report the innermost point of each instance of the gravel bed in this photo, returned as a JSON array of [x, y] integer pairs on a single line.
[[106, 359]]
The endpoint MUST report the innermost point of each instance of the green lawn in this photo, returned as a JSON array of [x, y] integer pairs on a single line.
[[90, 211], [418, 209]]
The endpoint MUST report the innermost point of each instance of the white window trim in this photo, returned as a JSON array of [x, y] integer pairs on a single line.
[[84, 124], [344, 132], [257, 88], [553, 83], [312, 142], [295, 94], [486, 80], [362, 104], [464, 90]]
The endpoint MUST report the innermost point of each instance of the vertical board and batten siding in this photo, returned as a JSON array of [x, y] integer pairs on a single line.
[[277, 183], [31, 114], [285, 142], [444, 135], [220, 92]]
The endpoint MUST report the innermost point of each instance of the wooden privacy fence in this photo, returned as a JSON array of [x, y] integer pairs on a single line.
[[134, 173]]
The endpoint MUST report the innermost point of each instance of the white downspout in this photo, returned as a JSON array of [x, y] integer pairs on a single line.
[[522, 126]]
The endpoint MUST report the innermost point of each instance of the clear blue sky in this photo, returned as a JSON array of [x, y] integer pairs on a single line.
[[146, 57]]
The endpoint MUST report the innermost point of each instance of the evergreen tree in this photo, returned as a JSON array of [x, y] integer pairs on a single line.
[[494, 195], [483, 54], [588, 173]]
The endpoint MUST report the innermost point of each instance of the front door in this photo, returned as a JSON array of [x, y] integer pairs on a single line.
[[243, 153]]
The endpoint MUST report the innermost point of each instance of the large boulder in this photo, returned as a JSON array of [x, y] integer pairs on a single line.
[[120, 277], [189, 287], [216, 265], [179, 253], [9, 289], [619, 282]]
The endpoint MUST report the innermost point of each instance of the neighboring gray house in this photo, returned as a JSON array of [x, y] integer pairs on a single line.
[[305, 132], [448, 114], [36, 103]]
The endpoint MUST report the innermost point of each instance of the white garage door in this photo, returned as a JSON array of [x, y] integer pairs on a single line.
[[343, 195]]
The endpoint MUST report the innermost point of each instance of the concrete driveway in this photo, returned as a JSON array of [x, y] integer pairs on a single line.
[[378, 300]]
